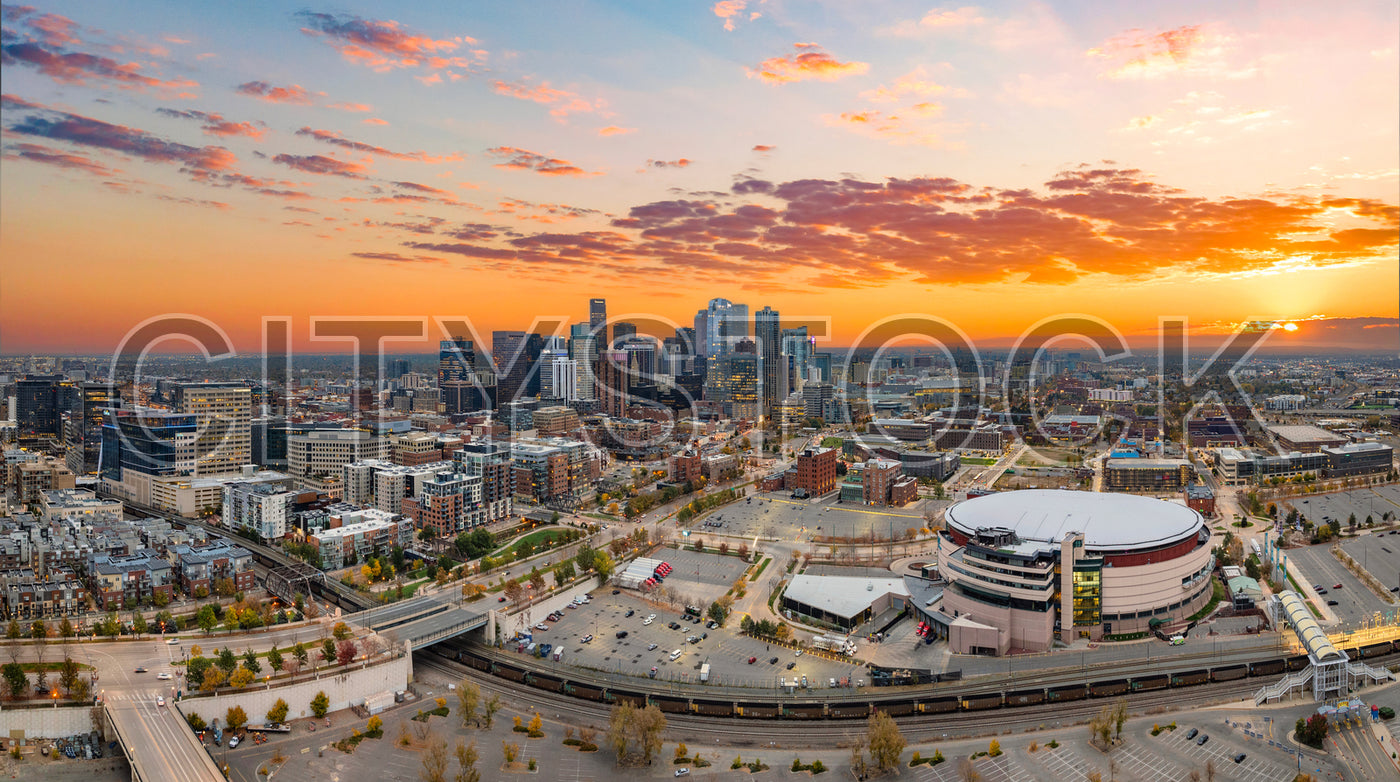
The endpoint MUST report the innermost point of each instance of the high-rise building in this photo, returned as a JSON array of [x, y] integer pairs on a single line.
[[701, 333], [583, 353], [152, 442], [456, 360], [797, 350], [822, 363], [613, 381], [491, 461], [40, 401], [398, 367], [732, 382], [598, 324], [224, 411], [685, 339], [516, 356], [83, 430], [766, 329], [622, 331]]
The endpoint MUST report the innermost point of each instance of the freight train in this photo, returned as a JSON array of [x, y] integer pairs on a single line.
[[810, 707]]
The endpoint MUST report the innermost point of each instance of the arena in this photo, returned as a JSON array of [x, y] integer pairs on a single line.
[[1025, 568]]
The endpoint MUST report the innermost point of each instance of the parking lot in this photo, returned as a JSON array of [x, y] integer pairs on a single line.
[[1354, 600], [698, 578], [724, 649], [1341, 505], [776, 515], [1379, 555]]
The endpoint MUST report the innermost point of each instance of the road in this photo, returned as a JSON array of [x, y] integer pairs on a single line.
[[159, 743], [1354, 600]]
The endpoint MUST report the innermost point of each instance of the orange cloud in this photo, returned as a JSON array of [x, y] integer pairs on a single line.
[[353, 107], [336, 139], [1190, 49], [383, 45], [525, 160], [614, 130], [727, 10], [374, 121], [564, 102], [809, 62], [263, 91], [938, 20]]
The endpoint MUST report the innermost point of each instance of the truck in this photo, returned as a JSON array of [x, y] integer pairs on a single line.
[[829, 643], [705, 672]]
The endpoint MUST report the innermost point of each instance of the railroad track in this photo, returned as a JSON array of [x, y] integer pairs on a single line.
[[739, 731]]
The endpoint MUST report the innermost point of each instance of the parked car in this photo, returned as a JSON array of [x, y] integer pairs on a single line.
[[1336, 586], [621, 633], [681, 772], [501, 599], [710, 625], [629, 613], [1191, 734], [790, 666], [541, 626], [1203, 739], [651, 647], [773, 661], [753, 660], [1331, 602], [1240, 757], [140, 669], [586, 639], [617, 591], [646, 621], [233, 742]]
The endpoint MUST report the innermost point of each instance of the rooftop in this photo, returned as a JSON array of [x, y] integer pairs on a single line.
[[844, 596], [1108, 521], [1304, 433]]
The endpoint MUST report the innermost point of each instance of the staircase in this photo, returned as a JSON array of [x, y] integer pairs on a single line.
[[1284, 686], [1368, 673]]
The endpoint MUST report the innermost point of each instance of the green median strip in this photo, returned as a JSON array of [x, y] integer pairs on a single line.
[[761, 566]]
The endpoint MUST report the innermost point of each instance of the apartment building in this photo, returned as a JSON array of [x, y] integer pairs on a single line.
[[326, 451], [354, 536], [27, 595], [200, 567], [134, 578], [225, 413]]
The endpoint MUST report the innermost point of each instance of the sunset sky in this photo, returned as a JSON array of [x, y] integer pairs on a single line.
[[990, 164]]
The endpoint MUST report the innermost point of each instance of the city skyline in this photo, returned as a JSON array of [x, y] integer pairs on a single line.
[[993, 165]]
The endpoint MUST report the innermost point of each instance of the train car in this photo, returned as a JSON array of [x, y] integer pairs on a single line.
[[1025, 697], [939, 705], [898, 708], [758, 711], [1069, 692], [1147, 683], [1229, 673], [804, 712], [546, 682], [1268, 667], [510, 672], [982, 702], [1108, 688], [714, 708], [1297, 662], [671, 705], [587, 693], [1189, 678], [849, 711], [636, 699], [761, 711], [1376, 650]]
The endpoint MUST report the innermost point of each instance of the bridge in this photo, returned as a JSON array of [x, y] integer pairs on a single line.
[[159, 744], [421, 621], [1330, 671]]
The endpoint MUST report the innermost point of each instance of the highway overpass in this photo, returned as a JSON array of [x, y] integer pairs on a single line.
[[159, 744], [421, 621]]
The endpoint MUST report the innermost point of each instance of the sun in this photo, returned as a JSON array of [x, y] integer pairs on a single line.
[[1290, 327]]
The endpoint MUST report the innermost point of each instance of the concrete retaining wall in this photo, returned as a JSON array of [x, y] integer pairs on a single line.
[[47, 723], [344, 690]]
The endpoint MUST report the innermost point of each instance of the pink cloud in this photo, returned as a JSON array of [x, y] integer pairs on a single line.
[[525, 160], [614, 130], [261, 90]]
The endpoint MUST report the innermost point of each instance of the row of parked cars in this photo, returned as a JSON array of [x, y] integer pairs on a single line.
[[1202, 738]]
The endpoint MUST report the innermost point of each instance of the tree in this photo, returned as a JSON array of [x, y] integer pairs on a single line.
[[718, 611], [434, 759], [235, 718], [1120, 717], [68, 675], [214, 678], [138, 624], [196, 722], [467, 757], [885, 741], [320, 705], [299, 652], [278, 712], [15, 679], [195, 671], [327, 650], [250, 662], [241, 677], [514, 593], [341, 631], [345, 652], [468, 697], [226, 660], [967, 772], [536, 579], [206, 619], [635, 734], [275, 660], [66, 628], [14, 632], [489, 709]]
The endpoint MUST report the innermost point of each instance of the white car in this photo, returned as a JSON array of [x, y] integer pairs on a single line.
[[233, 742], [173, 641], [646, 621], [164, 676], [651, 647], [651, 617], [160, 700]]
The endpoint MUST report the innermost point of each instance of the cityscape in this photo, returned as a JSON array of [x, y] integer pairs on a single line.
[[714, 390]]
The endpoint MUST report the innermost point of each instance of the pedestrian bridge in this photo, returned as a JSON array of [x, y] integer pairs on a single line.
[[421, 621], [1330, 673]]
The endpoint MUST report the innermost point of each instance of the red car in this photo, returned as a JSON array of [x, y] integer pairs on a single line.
[[753, 660], [1336, 586]]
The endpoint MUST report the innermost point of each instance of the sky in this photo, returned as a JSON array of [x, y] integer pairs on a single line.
[[992, 165]]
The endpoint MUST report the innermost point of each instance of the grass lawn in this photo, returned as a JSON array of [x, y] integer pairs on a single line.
[[533, 539], [977, 460], [762, 565]]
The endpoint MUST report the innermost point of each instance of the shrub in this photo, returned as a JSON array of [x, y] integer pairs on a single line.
[[818, 767], [1052, 744], [375, 728], [737, 764], [937, 757], [994, 749], [533, 764], [1387, 713], [797, 765]]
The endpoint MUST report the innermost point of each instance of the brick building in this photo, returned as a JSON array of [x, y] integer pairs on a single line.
[[816, 471]]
